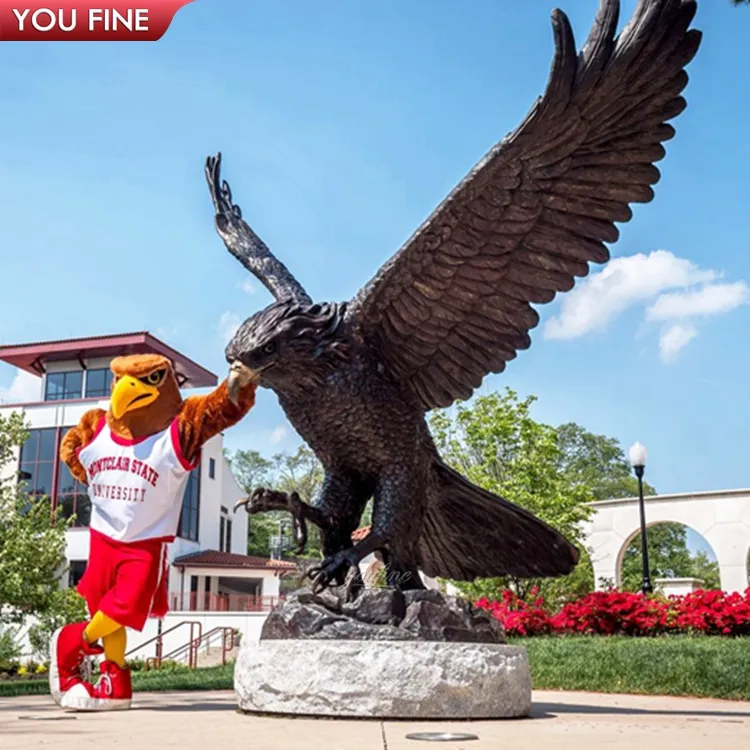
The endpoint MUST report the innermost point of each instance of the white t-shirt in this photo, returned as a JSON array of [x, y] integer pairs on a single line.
[[136, 487]]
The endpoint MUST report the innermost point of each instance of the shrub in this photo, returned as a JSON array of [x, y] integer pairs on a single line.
[[10, 648], [518, 616], [713, 613], [168, 665], [65, 607], [612, 613]]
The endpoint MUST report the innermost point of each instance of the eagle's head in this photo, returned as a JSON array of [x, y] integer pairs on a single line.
[[145, 395], [288, 346]]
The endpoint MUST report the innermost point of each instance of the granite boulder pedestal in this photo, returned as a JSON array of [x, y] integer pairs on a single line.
[[388, 654]]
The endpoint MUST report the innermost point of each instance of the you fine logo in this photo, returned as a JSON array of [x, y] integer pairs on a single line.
[[86, 20]]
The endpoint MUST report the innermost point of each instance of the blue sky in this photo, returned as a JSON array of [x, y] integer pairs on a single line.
[[342, 126]]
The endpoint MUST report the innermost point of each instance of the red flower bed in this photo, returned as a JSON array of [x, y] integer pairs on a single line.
[[713, 613], [622, 613], [518, 616]]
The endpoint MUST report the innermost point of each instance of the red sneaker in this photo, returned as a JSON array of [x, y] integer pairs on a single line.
[[67, 651], [113, 692]]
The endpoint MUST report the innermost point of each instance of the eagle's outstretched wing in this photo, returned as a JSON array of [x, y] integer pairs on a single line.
[[454, 304]]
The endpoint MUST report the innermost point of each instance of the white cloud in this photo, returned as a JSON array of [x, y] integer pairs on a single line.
[[674, 338], [620, 285], [229, 322], [247, 286], [675, 290], [277, 435], [25, 388], [713, 299]]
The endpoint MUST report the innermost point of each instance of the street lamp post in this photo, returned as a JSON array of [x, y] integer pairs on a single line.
[[638, 456]]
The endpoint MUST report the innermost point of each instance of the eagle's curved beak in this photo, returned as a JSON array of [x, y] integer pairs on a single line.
[[130, 393], [239, 376]]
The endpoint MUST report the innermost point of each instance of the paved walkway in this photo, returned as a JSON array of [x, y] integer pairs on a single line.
[[208, 721]]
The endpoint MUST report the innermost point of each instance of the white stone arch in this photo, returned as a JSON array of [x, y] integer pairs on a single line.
[[636, 533], [721, 518]]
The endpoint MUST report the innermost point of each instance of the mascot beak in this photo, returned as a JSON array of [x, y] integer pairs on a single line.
[[239, 376], [130, 393]]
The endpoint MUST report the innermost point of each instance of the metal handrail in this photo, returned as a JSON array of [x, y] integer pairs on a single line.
[[227, 644], [159, 640]]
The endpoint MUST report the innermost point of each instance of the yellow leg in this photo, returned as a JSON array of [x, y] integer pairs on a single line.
[[100, 627], [112, 636], [114, 647]]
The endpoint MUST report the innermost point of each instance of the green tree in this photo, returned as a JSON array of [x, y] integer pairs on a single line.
[[299, 472], [65, 606], [669, 557], [706, 570], [597, 462], [252, 470], [496, 443], [32, 538]]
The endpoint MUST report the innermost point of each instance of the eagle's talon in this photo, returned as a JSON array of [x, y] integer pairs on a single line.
[[332, 568], [221, 193]]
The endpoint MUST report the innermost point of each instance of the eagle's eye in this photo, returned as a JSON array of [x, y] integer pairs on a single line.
[[154, 378], [269, 348]]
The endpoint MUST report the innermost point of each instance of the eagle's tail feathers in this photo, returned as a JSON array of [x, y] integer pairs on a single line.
[[469, 533]]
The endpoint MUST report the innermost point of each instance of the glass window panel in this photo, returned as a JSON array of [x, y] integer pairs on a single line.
[[30, 447], [42, 483], [189, 517], [55, 386], [47, 445], [66, 483], [75, 572], [83, 509], [26, 472], [73, 384], [98, 383], [78, 504], [94, 381], [66, 505]]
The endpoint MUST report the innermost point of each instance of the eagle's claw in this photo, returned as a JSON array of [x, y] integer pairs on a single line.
[[263, 500], [332, 568], [221, 193]]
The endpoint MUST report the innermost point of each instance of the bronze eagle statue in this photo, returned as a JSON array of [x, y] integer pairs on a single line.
[[454, 304]]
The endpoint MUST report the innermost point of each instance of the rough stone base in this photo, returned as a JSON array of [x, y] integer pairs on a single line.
[[394, 680]]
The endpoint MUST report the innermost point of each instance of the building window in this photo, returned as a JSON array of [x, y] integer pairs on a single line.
[[75, 572], [44, 474], [38, 459], [225, 531], [191, 502], [99, 383], [62, 386], [72, 497], [211, 468]]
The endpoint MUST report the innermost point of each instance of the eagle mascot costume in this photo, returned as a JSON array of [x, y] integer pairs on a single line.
[[135, 459]]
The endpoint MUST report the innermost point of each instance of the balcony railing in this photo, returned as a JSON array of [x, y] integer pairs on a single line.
[[193, 602]]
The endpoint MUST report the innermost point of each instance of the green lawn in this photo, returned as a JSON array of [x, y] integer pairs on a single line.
[[675, 665], [705, 667]]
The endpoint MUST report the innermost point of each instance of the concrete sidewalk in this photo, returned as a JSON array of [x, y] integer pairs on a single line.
[[210, 721]]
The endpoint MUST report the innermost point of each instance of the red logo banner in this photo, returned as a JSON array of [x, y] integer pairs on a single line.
[[86, 20]]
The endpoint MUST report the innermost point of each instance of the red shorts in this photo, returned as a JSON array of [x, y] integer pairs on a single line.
[[127, 582]]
